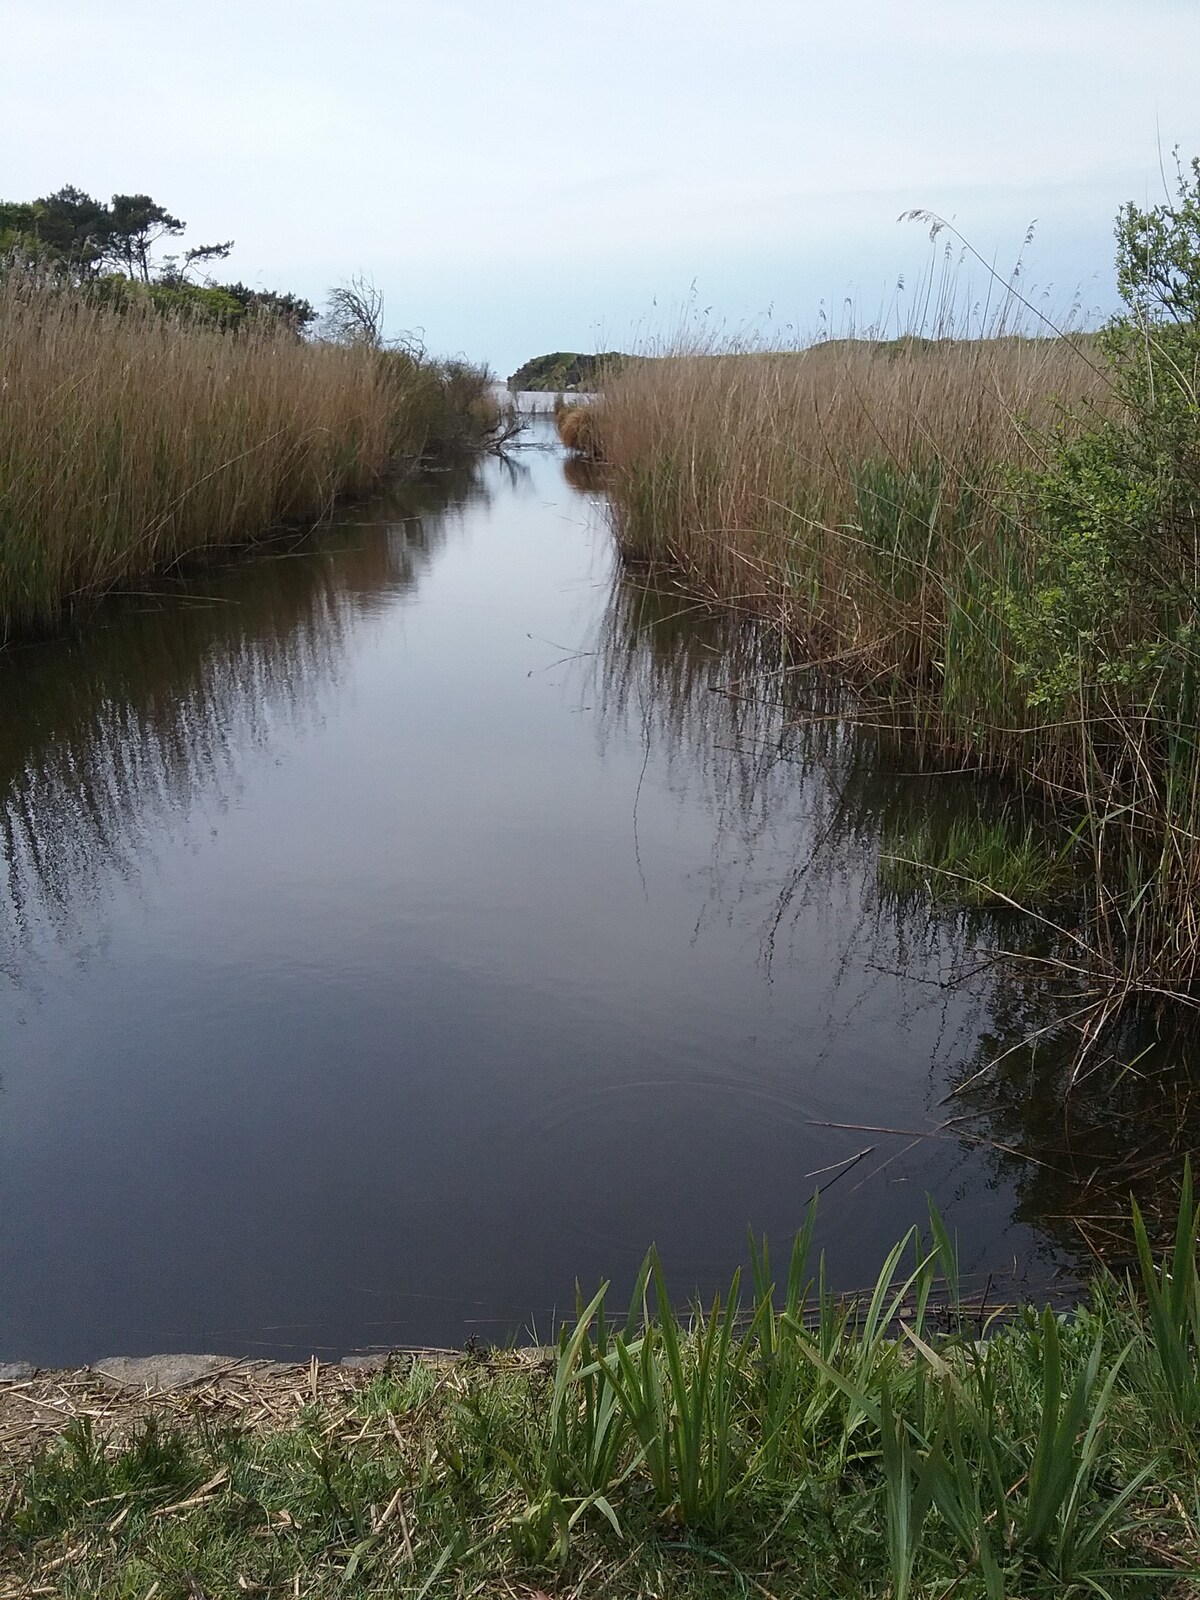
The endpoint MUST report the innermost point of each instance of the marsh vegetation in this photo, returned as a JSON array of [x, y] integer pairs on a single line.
[[577, 429], [134, 439], [994, 541]]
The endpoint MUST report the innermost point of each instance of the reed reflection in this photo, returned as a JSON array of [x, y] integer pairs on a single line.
[[797, 790], [120, 736], [804, 800], [1079, 1137]]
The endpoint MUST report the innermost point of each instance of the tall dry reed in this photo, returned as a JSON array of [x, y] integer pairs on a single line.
[[867, 499], [130, 441], [859, 494]]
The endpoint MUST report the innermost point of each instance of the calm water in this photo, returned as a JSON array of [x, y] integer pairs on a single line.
[[397, 929]]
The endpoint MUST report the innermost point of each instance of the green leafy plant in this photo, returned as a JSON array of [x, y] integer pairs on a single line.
[[1172, 1294], [678, 1400]]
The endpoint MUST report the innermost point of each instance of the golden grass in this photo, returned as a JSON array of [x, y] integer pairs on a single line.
[[746, 464], [130, 441]]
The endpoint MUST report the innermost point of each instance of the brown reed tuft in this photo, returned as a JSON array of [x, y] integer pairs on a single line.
[[578, 431]]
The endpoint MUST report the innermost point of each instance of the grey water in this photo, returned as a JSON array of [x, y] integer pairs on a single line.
[[410, 922]]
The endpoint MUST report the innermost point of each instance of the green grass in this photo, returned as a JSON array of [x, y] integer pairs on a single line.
[[788, 1444], [977, 862]]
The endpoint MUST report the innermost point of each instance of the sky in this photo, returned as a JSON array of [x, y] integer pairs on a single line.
[[554, 175]]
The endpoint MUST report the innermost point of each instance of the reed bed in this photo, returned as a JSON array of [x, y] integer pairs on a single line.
[[908, 1443], [131, 441], [854, 491], [891, 508]]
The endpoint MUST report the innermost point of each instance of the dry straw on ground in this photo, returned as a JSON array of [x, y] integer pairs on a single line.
[[256, 1396]]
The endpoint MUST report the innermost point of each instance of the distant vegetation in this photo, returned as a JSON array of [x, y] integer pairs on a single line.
[[997, 540], [565, 371], [145, 418], [109, 249]]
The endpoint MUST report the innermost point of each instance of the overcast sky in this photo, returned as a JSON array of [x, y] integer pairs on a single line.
[[559, 175]]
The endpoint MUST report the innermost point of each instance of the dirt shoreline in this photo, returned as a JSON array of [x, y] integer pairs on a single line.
[[117, 1393]]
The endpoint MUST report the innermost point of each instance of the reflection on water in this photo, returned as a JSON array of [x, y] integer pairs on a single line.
[[1074, 1137], [406, 924], [121, 738], [797, 792], [582, 474], [1078, 1140]]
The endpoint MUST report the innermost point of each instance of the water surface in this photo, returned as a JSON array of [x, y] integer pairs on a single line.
[[400, 927]]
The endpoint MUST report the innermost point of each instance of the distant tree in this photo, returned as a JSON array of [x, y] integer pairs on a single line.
[[67, 228], [75, 227], [292, 310], [136, 224], [354, 314], [17, 225], [75, 238], [194, 301]]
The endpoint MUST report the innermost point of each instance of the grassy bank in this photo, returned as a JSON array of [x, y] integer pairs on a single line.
[[132, 440], [783, 1443], [995, 541]]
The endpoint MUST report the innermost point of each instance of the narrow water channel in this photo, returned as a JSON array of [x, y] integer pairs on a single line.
[[400, 927]]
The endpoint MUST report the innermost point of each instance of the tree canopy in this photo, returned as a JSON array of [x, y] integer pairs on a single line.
[[564, 371], [110, 247]]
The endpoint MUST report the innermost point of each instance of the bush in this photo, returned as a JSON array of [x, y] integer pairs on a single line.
[[1114, 518]]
